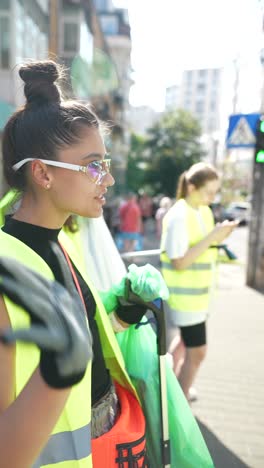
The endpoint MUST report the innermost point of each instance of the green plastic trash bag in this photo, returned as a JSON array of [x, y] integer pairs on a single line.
[[188, 449], [109, 299], [146, 282]]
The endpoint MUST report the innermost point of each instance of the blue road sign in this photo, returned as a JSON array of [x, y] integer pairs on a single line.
[[242, 131]]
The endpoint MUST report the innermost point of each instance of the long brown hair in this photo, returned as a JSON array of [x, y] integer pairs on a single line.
[[197, 175]]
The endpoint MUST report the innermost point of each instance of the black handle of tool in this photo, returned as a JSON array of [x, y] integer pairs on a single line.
[[228, 252], [158, 310]]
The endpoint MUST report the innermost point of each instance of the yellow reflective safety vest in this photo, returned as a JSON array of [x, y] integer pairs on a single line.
[[69, 445], [7, 201], [189, 288]]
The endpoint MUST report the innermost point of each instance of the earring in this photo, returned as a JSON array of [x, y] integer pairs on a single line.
[[47, 186]]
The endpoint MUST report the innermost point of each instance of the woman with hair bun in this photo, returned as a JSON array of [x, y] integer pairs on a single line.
[[187, 264], [65, 397]]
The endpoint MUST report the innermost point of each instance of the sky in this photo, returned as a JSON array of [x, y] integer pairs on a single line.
[[169, 36]]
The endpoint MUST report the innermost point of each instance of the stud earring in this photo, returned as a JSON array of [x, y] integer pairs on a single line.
[[47, 186]]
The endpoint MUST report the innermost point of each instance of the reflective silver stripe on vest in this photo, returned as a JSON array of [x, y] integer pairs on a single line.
[[194, 266], [65, 446], [188, 291]]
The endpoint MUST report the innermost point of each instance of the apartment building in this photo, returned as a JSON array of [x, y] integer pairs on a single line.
[[71, 32], [24, 28], [199, 93], [23, 34], [115, 26], [172, 97], [141, 118]]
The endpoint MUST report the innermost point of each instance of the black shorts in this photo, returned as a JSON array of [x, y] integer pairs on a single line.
[[194, 335]]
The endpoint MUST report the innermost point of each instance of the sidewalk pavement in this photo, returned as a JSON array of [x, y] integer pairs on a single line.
[[230, 383]]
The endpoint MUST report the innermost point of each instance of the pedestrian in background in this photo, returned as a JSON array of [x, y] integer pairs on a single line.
[[164, 205], [188, 262], [130, 222], [146, 206]]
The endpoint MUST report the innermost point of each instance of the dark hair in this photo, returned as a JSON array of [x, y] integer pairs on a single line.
[[44, 124], [198, 175]]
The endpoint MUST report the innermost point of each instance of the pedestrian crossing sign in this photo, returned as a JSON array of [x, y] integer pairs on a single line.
[[242, 131]]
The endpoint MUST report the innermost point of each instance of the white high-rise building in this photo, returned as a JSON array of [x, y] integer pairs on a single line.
[[142, 118], [172, 97], [199, 93]]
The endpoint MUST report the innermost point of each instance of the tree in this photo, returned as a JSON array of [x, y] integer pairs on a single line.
[[173, 145], [136, 163], [236, 179]]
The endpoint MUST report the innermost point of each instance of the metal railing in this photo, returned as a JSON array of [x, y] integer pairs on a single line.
[[141, 253], [139, 257]]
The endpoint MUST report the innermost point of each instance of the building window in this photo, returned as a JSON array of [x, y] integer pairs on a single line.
[[202, 73], [212, 106], [215, 79], [100, 5], [70, 37], [109, 24], [31, 38], [199, 107], [187, 103], [201, 88], [4, 42], [4, 4], [188, 78], [216, 73]]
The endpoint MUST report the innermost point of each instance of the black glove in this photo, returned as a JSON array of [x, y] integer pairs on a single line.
[[130, 313], [58, 323]]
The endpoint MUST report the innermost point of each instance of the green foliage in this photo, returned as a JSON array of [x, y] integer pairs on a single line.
[[136, 164], [172, 146], [236, 180]]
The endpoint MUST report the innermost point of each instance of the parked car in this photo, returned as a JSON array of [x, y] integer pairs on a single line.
[[238, 210], [218, 211]]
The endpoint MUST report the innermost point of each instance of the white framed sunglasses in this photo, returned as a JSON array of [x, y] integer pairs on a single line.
[[96, 170]]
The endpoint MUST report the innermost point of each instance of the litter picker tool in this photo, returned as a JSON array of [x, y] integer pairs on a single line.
[[230, 255], [158, 311]]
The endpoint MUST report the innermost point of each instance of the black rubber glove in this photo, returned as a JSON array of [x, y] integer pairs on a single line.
[[130, 313], [58, 323]]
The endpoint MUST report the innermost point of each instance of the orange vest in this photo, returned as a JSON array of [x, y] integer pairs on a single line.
[[125, 444]]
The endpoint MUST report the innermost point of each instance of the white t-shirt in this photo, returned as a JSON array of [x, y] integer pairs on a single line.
[[103, 261], [175, 242]]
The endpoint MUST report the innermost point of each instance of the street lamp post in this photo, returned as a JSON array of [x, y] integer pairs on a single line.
[[256, 240]]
